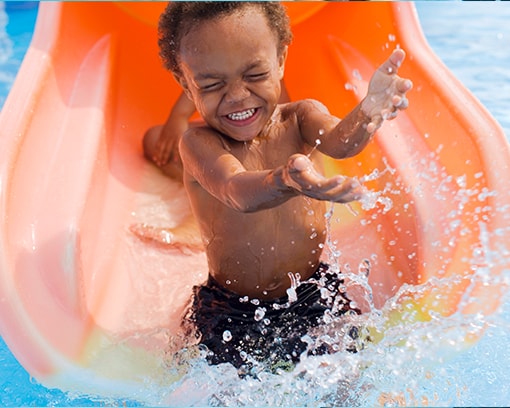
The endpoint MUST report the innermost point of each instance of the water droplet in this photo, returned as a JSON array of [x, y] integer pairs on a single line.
[[317, 142], [292, 294], [294, 283], [227, 336], [260, 312], [356, 74], [364, 267]]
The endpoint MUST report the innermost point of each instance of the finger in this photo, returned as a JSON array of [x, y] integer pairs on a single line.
[[404, 104], [372, 127], [400, 102], [300, 163], [375, 122], [348, 190], [392, 64], [389, 114], [299, 173], [159, 153], [404, 85], [322, 188], [166, 153]]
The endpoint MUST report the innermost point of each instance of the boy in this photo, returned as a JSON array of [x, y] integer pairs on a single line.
[[252, 174], [160, 142]]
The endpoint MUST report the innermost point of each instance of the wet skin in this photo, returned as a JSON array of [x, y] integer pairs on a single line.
[[258, 198]]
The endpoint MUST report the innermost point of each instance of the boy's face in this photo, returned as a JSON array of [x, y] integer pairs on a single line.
[[232, 72]]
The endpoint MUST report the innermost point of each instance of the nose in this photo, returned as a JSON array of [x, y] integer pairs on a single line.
[[236, 92]]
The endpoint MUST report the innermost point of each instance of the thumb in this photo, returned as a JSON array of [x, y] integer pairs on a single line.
[[299, 163], [393, 63]]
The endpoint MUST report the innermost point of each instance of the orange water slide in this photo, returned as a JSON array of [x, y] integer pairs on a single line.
[[82, 301]]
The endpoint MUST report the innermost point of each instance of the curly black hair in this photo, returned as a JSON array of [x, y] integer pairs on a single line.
[[180, 17]]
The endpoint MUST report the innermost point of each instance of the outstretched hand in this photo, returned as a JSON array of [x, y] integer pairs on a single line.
[[386, 92], [301, 175]]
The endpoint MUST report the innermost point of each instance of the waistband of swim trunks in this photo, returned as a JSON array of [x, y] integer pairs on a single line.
[[215, 286]]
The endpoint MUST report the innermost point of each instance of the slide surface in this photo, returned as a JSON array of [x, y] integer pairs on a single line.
[[83, 301]]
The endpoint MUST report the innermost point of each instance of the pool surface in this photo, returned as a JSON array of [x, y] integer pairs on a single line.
[[17, 20], [473, 39]]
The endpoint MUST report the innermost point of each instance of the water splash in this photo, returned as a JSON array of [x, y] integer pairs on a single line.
[[413, 357], [371, 198], [317, 143], [415, 351], [294, 283]]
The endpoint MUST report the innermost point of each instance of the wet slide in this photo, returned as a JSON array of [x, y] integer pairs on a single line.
[[85, 305]]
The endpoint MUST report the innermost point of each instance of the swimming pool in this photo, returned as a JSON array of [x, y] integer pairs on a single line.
[[471, 39], [16, 22]]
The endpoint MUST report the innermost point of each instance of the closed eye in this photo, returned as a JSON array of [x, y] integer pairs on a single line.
[[257, 76], [212, 86]]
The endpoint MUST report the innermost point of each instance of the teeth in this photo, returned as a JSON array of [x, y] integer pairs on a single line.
[[241, 115]]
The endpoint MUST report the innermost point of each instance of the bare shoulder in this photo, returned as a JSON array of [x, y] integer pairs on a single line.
[[198, 132], [303, 108], [200, 145], [198, 137], [312, 118], [312, 105]]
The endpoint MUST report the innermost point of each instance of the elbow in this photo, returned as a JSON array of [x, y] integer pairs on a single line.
[[246, 203], [346, 152], [354, 150], [249, 194], [237, 200], [242, 207]]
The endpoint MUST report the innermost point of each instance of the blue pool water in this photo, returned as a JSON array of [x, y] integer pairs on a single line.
[[16, 24], [473, 39]]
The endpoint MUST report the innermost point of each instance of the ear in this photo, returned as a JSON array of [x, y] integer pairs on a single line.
[[184, 85], [282, 58]]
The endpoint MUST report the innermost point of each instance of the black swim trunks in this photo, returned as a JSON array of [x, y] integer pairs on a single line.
[[238, 330]]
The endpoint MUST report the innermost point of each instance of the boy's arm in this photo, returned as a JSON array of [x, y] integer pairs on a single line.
[[172, 130], [220, 173], [348, 137], [207, 161]]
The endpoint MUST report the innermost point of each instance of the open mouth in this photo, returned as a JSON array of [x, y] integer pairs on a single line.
[[242, 115]]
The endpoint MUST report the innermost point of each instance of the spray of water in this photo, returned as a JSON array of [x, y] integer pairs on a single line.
[[406, 361], [406, 355]]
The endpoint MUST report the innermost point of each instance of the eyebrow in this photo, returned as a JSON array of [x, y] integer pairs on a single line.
[[213, 75], [201, 76]]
